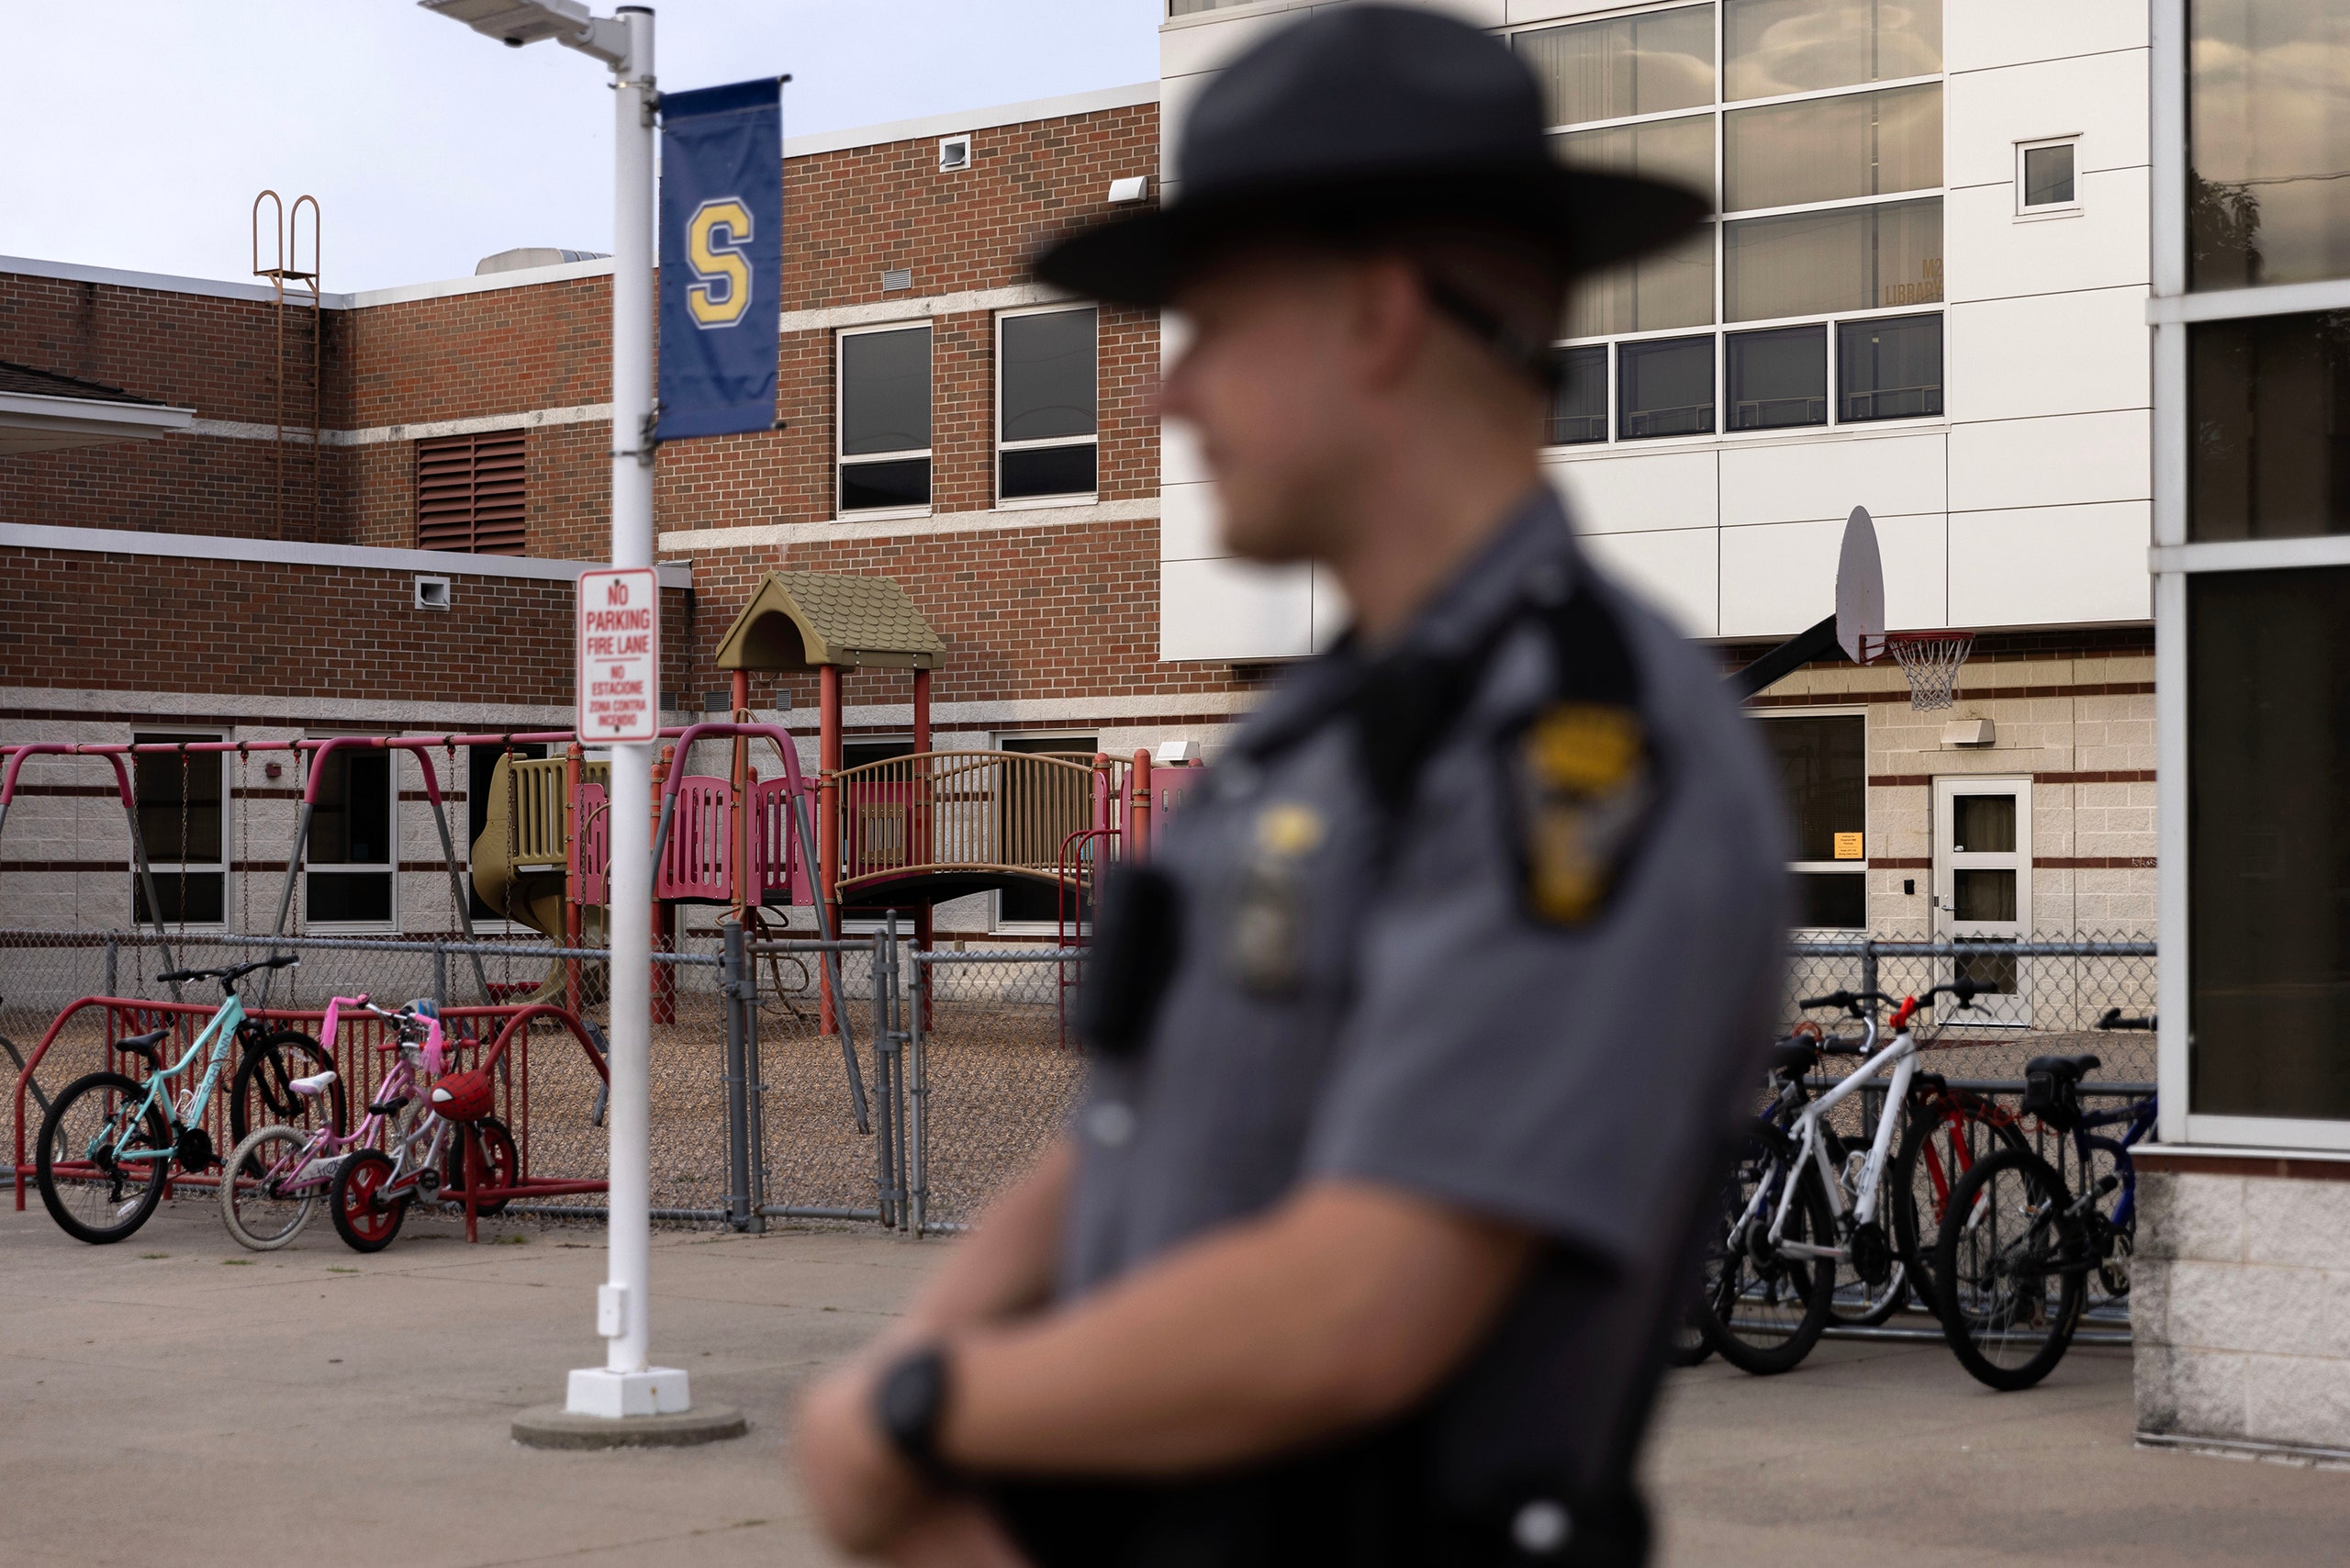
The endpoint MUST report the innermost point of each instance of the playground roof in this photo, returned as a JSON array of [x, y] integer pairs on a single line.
[[805, 619]]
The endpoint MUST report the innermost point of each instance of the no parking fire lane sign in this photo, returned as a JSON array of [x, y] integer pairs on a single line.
[[620, 655]]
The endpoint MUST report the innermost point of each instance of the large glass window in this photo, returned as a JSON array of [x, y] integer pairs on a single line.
[[1844, 259], [1666, 389], [1777, 378], [1823, 778], [1641, 64], [2269, 843], [1579, 405], [1801, 46], [2268, 146], [181, 819], [350, 851], [1815, 150], [1889, 367], [1822, 150], [2268, 404], [885, 419], [1045, 435]]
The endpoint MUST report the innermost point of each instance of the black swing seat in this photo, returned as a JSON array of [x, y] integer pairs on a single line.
[[145, 1045]]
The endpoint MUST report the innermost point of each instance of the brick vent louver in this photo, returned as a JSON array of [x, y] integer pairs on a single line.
[[469, 493]]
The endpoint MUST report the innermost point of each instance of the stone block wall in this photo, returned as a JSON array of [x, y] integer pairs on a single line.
[[2240, 1303]]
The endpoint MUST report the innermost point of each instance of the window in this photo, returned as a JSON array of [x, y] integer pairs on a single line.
[[1815, 149], [1818, 134], [469, 493], [1642, 64], [885, 421], [2269, 410], [1579, 405], [1801, 46], [181, 821], [1821, 762], [1047, 442], [350, 852], [1844, 259], [1889, 368], [1057, 801], [1666, 389], [2269, 843], [2269, 112], [1983, 880], [1778, 378], [2045, 185]]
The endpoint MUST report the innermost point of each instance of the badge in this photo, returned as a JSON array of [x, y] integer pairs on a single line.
[[1266, 934], [1584, 785]]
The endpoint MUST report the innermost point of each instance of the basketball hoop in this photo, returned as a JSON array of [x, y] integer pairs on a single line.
[[1929, 660]]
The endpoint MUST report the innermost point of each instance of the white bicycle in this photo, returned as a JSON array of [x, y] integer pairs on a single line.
[[1800, 1200]]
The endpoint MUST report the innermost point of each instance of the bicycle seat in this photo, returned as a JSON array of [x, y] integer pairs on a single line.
[[1792, 1058], [145, 1044], [2067, 1069], [391, 1107], [314, 1085]]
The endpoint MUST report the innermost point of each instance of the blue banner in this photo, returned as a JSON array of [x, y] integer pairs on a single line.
[[721, 258]]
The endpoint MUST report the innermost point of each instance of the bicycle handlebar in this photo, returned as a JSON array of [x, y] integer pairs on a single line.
[[232, 972], [2112, 1019]]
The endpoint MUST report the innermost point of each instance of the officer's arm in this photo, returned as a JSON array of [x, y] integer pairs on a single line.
[[1343, 1305], [1006, 1265]]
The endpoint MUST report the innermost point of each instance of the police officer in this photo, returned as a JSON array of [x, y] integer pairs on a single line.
[[1418, 1048]]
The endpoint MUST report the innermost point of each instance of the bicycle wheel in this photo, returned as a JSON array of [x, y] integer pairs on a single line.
[[260, 1095], [264, 1201], [1939, 1148], [364, 1216], [1762, 1308], [2113, 1246], [499, 1164], [91, 1187], [1857, 1303], [2010, 1258]]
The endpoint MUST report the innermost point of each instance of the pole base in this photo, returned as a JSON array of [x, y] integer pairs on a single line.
[[553, 1427], [601, 1391]]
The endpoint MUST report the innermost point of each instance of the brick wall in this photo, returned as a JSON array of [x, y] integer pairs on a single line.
[[147, 623]]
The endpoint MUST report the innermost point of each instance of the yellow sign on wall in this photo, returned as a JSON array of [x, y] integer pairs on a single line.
[[1848, 847]]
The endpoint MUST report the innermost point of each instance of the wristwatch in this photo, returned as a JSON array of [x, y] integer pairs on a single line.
[[909, 1403]]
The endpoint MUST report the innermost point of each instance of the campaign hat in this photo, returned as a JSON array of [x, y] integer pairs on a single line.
[[1357, 124]]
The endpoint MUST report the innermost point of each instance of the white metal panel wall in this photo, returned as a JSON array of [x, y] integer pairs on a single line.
[[2027, 505]]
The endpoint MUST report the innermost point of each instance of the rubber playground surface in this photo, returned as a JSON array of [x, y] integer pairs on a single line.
[[173, 1399]]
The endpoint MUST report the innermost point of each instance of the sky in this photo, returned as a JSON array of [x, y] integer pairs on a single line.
[[138, 131]]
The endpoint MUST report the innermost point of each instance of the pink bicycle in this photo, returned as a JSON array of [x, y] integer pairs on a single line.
[[277, 1174]]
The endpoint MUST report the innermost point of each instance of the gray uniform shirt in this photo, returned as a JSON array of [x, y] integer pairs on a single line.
[[1430, 998]]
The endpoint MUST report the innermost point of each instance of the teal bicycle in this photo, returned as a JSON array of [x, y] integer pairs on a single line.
[[109, 1140]]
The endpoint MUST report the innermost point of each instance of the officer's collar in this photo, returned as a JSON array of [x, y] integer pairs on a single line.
[[1530, 559]]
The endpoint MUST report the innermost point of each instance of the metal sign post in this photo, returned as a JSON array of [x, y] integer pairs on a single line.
[[615, 1403]]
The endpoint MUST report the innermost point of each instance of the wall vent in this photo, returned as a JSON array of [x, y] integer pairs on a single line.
[[954, 153]]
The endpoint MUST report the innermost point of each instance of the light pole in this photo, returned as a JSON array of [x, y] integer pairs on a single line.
[[627, 1387]]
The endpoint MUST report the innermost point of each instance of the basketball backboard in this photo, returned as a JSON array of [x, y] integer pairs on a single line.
[[1859, 588]]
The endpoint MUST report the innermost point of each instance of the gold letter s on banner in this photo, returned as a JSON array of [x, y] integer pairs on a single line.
[[715, 238]]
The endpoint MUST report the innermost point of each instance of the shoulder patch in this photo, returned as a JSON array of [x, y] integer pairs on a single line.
[[1583, 781]]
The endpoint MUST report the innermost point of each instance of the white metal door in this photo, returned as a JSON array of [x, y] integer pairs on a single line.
[[1983, 884]]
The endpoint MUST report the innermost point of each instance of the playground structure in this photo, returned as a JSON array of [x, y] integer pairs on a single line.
[[905, 834]]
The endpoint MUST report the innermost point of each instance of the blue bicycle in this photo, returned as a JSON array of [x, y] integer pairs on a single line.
[[2020, 1245], [109, 1140]]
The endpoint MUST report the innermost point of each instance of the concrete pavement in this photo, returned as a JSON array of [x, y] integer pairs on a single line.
[[175, 1399]]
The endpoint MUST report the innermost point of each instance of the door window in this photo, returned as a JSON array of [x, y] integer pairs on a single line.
[[1983, 882]]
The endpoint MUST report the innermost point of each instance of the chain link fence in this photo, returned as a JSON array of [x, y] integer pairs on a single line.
[[933, 1079]]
